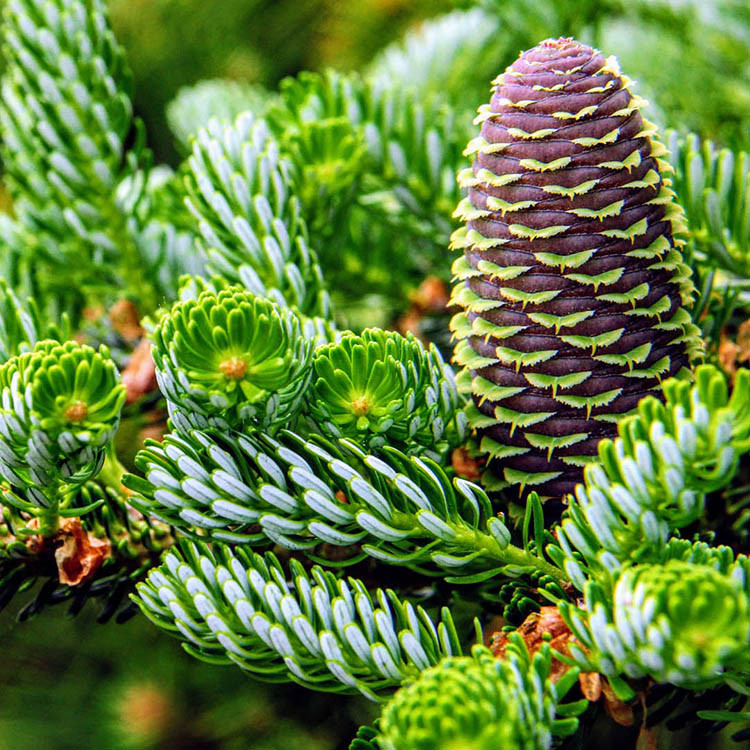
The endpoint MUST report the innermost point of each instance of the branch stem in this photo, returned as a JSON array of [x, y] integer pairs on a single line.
[[49, 517], [112, 471]]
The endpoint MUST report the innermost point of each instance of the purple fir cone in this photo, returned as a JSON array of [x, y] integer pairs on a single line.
[[572, 283]]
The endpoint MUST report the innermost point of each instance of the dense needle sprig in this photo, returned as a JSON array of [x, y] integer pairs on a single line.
[[231, 358], [381, 387], [60, 408]]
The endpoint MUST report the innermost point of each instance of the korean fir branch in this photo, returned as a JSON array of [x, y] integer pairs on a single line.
[[66, 120], [482, 702], [65, 520], [442, 60], [685, 622], [654, 604], [223, 99], [236, 606], [382, 150], [417, 153], [60, 410], [317, 119], [401, 154], [228, 358], [651, 481], [381, 388], [249, 219], [307, 494], [22, 325], [420, 93], [713, 184], [238, 367], [231, 359], [16, 269], [166, 232]]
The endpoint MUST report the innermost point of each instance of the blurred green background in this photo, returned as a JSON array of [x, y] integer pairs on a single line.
[[69, 683], [690, 57], [173, 43]]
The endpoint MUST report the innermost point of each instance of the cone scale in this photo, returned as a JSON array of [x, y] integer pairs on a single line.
[[571, 284]]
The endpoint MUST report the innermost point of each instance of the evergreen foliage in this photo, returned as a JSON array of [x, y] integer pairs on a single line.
[[248, 217], [314, 628], [294, 453], [654, 478], [681, 622], [232, 358], [60, 410], [21, 326], [482, 702], [67, 119], [712, 185], [300, 493], [381, 388], [221, 99]]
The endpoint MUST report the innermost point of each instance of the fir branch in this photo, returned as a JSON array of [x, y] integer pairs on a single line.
[[59, 411], [484, 703], [713, 185], [418, 153], [230, 358], [382, 388], [317, 331], [443, 60], [682, 622], [329, 157], [302, 493], [421, 98], [223, 99], [64, 519], [366, 739], [16, 267], [413, 151], [21, 326], [652, 480], [167, 233], [66, 120], [311, 627], [249, 218]]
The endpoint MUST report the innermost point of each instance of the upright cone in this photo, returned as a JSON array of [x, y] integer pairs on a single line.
[[571, 282]]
